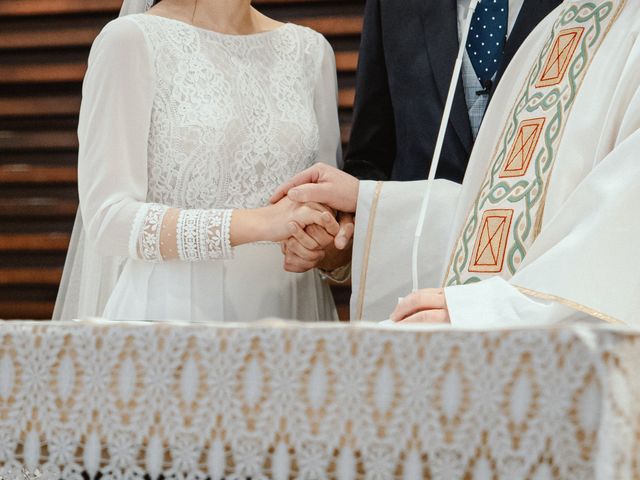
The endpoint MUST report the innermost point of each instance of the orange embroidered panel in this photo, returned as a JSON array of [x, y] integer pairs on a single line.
[[560, 57], [523, 148], [491, 244]]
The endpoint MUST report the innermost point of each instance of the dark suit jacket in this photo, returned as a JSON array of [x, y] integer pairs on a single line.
[[406, 61]]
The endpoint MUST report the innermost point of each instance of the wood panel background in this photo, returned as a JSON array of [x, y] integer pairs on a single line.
[[44, 46]]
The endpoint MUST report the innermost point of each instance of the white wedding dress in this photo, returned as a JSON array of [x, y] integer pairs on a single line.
[[179, 116]]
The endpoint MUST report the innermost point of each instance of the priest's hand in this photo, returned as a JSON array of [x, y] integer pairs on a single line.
[[322, 184], [314, 247], [423, 306]]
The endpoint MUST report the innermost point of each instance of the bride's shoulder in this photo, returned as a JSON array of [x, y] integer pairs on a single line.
[[124, 34], [314, 42], [123, 31]]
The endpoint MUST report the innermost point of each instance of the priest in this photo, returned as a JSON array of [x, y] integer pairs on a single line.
[[543, 229]]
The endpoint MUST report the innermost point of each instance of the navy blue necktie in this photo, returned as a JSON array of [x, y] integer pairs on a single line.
[[487, 37]]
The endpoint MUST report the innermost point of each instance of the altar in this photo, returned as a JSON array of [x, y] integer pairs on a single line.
[[280, 400]]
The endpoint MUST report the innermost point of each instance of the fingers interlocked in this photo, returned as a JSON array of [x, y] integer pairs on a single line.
[[308, 247]]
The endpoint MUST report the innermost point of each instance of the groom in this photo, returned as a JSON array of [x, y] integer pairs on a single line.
[[407, 55]]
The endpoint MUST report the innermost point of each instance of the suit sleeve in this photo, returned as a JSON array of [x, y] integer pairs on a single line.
[[372, 147]]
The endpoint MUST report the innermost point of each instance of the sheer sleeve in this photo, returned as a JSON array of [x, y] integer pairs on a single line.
[[326, 107], [115, 120]]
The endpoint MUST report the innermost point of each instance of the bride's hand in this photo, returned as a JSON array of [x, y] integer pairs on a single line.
[[284, 218], [279, 221]]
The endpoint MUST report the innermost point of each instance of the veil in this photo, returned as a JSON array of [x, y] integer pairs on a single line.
[[88, 279], [130, 7]]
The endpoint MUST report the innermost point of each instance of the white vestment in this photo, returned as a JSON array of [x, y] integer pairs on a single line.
[[563, 130]]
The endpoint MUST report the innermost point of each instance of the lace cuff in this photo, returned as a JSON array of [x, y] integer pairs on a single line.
[[204, 235], [147, 229]]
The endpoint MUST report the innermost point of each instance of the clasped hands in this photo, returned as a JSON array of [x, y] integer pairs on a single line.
[[327, 245]]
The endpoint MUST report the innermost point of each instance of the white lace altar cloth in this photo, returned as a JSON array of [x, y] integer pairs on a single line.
[[311, 402]]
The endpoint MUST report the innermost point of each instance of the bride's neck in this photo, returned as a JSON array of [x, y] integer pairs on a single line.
[[225, 16]]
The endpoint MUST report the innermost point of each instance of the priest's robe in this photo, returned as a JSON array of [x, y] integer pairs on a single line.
[[545, 226]]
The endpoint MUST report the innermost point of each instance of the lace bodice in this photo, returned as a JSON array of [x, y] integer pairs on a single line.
[[233, 117], [179, 116]]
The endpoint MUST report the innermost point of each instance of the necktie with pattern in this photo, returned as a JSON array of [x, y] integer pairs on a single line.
[[487, 37]]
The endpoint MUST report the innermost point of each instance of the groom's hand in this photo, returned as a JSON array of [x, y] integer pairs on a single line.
[[313, 247], [322, 184]]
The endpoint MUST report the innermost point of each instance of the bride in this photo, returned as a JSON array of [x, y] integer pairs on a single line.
[[193, 113]]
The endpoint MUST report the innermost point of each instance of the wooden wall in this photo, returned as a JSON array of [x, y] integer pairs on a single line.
[[44, 45]]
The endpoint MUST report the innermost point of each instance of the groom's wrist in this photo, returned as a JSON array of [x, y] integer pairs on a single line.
[[335, 259]]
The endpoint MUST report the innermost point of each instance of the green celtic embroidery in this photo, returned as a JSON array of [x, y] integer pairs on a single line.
[[532, 136]]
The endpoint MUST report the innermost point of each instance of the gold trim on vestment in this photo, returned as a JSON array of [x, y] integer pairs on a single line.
[[367, 251], [571, 304]]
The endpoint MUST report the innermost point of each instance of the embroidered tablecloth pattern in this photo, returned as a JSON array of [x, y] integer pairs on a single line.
[[284, 401]]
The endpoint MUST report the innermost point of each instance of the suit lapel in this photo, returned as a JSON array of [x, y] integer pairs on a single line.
[[440, 20], [531, 14]]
